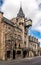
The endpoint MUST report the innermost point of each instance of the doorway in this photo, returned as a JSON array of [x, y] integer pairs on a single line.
[[8, 54], [24, 53], [13, 54]]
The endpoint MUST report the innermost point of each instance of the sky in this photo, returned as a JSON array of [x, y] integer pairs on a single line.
[[31, 8]]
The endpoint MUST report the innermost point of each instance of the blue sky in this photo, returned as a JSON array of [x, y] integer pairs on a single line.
[[35, 33], [33, 11], [1, 2]]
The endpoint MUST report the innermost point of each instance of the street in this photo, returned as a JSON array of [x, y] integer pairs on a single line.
[[27, 61]]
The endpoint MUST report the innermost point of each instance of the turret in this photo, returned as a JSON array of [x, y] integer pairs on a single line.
[[28, 23], [21, 13], [21, 16], [20, 21]]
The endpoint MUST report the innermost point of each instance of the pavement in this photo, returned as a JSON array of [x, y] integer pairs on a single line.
[[25, 61]]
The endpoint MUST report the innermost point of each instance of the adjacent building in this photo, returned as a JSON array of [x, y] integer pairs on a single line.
[[33, 46]]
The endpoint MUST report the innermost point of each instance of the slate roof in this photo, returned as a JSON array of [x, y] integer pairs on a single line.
[[8, 21], [21, 13]]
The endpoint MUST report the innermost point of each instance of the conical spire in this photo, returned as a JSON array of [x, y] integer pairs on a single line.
[[20, 13]]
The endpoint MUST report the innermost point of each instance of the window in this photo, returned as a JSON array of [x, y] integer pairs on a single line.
[[35, 39], [30, 38], [21, 23], [19, 37], [15, 36], [25, 42], [18, 52], [15, 45], [17, 19], [19, 45], [8, 27], [8, 54]]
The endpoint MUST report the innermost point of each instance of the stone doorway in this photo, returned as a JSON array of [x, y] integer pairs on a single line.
[[24, 53], [8, 54], [13, 54]]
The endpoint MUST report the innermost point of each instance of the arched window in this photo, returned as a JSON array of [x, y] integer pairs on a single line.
[[19, 45], [15, 45]]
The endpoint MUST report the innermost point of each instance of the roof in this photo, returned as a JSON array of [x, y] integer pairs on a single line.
[[8, 21], [20, 13], [29, 20]]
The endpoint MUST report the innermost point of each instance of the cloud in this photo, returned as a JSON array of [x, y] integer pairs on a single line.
[[35, 33], [39, 40], [36, 25], [11, 7]]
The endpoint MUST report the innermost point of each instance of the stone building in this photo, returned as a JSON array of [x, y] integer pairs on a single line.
[[10, 39], [22, 22], [14, 40], [33, 46]]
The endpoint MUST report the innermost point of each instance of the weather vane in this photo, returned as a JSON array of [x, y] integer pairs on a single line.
[[1, 3]]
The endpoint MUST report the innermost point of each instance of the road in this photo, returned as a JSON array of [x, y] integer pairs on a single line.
[[32, 61]]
